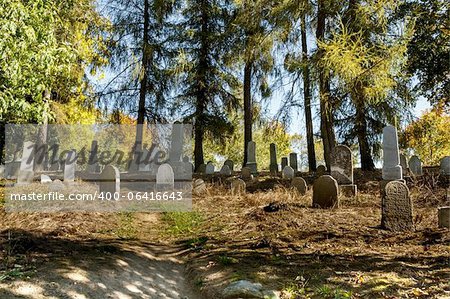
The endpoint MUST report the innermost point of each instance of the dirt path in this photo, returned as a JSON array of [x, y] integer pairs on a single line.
[[106, 271]]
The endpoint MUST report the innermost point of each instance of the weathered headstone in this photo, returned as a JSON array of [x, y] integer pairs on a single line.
[[444, 217], [321, 170], [391, 157], [293, 162], [415, 166], [342, 165], [165, 178], [26, 173], [201, 168], [70, 163], [445, 166], [210, 169], [326, 192], [288, 172], [199, 187], [404, 163], [109, 181], [45, 179], [397, 209], [230, 164], [237, 186], [273, 167], [251, 157], [246, 174], [225, 170], [284, 162], [300, 185]]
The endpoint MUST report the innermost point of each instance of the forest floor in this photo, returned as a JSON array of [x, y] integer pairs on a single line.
[[300, 251]]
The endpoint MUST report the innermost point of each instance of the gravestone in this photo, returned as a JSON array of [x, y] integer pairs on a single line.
[[199, 187], [26, 173], [237, 186], [391, 157], [230, 164], [284, 162], [300, 185], [342, 165], [325, 192], [201, 168], [342, 169], [45, 179], [109, 181], [293, 161], [445, 166], [70, 163], [273, 167], [225, 170], [321, 170], [210, 169], [396, 207], [288, 172], [415, 166], [404, 163], [246, 174], [251, 157], [93, 165], [444, 217], [165, 178]]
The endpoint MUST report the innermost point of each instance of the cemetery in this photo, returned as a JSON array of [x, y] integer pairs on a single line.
[[219, 149]]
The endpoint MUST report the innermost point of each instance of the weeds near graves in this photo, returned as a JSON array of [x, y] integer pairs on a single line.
[[126, 229], [181, 223]]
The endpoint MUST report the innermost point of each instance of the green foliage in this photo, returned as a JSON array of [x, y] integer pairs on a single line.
[[429, 136], [182, 223]]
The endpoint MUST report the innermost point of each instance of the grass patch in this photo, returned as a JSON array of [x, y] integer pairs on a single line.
[[181, 223], [127, 229]]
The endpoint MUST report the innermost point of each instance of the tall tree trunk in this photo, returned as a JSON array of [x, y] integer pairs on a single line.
[[248, 117], [41, 157], [307, 100], [361, 131], [326, 112], [201, 99], [144, 78]]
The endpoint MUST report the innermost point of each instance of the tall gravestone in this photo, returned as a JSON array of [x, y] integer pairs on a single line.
[[293, 162], [26, 172], [396, 207], [342, 169], [110, 180], [325, 192], [284, 162], [273, 167], [251, 157], [391, 157], [165, 178], [70, 163], [415, 166]]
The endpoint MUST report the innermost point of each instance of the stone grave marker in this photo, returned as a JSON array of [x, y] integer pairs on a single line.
[[109, 181], [444, 217], [237, 186], [342, 169], [26, 173], [246, 174], [445, 166], [299, 184], [391, 157], [326, 192], [293, 162], [284, 162], [288, 172], [225, 170], [397, 209], [165, 178], [230, 164], [69, 166], [404, 163], [45, 179], [199, 187], [273, 167], [210, 169], [415, 166], [251, 157]]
